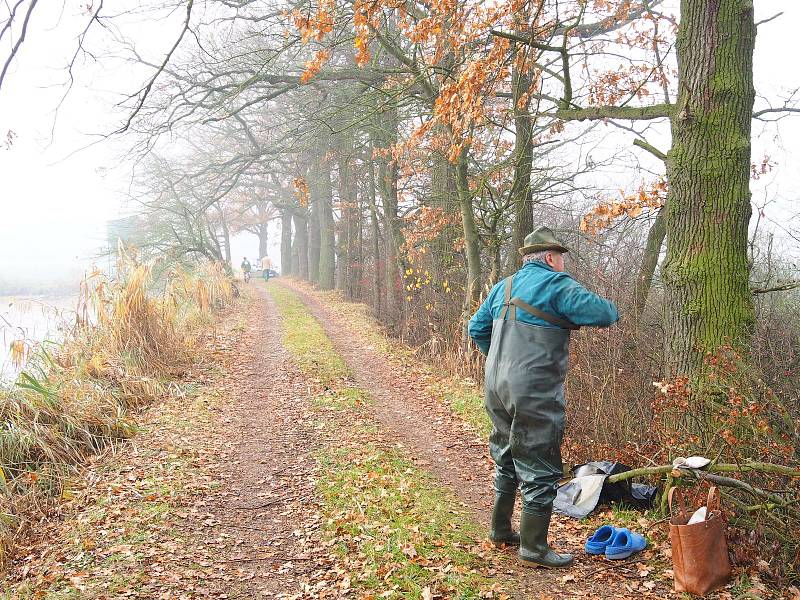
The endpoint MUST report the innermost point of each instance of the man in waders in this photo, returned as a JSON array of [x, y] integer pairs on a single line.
[[524, 327]]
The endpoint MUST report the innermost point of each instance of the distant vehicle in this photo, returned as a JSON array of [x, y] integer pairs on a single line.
[[271, 272]]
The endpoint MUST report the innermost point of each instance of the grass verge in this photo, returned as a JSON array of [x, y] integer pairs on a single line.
[[392, 529]]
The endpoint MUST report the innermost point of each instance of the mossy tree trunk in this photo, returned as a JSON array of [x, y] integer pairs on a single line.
[[708, 207]]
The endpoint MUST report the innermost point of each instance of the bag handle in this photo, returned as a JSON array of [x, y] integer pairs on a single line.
[[675, 493], [713, 499]]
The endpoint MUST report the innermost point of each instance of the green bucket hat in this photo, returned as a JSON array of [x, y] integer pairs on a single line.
[[541, 238]]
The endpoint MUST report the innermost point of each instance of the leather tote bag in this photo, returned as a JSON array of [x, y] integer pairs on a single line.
[[699, 551]]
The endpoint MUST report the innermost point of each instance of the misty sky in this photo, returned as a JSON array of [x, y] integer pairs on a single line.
[[56, 197]]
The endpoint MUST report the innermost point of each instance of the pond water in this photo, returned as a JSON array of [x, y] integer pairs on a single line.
[[31, 319]]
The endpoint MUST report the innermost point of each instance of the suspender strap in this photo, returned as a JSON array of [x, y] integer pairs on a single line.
[[543, 315], [513, 303], [507, 301]]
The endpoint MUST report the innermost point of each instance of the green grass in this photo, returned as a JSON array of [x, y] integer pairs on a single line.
[[344, 399], [466, 401], [462, 396], [306, 341], [400, 529], [395, 529]]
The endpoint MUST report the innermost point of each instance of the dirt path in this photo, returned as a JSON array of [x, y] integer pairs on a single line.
[[269, 487], [438, 439], [452, 453]]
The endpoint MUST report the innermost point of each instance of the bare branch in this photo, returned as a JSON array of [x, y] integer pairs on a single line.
[[144, 92], [651, 149], [775, 16], [781, 287], [15, 47]]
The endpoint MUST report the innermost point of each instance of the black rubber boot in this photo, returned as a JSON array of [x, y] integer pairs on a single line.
[[501, 532], [533, 550]]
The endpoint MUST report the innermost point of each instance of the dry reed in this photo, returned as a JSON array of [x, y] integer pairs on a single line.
[[133, 336]]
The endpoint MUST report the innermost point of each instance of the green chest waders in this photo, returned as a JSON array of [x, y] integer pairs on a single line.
[[525, 372]]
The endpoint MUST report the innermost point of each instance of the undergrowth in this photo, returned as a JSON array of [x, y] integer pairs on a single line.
[[391, 526], [131, 343]]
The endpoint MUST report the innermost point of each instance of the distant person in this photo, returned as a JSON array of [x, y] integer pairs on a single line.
[[266, 264], [524, 326], [246, 268]]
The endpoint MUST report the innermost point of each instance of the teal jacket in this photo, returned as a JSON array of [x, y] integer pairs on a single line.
[[553, 292]]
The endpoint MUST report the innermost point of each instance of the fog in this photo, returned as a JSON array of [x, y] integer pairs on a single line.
[[63, 178]]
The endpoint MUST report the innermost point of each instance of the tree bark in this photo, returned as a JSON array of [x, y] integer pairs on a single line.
[[471, 238], [347, 231], [385, 137], [327, 237], [300, 246], [262, 228], [708, 167], [314, 210], [521, 195], [226, 239], [445, 196], [376, 239], [644, 280], [286, 242]]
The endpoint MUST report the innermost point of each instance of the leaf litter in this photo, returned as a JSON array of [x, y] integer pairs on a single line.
[[263, 482]]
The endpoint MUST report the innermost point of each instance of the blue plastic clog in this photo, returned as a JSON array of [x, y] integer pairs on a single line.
[[624, 543], [600, 539]]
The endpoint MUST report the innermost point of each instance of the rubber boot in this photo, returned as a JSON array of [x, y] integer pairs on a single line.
[[533, 550], [501, 532]]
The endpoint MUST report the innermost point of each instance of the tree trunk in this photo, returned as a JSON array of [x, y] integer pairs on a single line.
[[472, 245], [708, 207], [263, 238], [262, 228], [644, 280], [226, 239], [445, 196], [347, 232], [376, 238], [327, 239], [385, 138], [520, 194], [300, 246], [286, 242], [314, 208], [358, 270]]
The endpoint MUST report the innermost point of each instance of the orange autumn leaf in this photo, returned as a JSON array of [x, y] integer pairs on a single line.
[[313, 66]]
